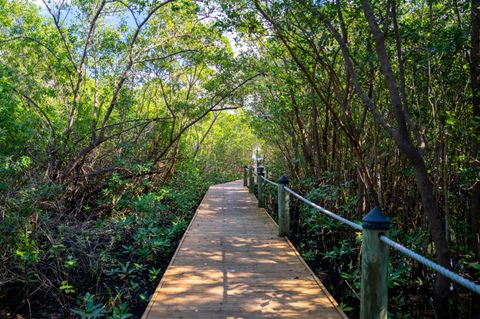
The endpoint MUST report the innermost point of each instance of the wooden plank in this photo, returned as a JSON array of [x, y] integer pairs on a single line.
[[231, 264]]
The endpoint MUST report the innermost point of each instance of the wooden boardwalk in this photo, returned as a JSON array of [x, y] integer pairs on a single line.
[[231, 264]]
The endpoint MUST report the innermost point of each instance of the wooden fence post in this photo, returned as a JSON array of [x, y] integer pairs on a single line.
[[374, 289], [251, 182], [283, 208], [245, 176], [260, 185]]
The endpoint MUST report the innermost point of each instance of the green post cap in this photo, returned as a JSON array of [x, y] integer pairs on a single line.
[[283, 180], [376, 220]]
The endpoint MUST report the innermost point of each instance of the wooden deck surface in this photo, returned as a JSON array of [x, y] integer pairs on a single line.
[[231, 264]]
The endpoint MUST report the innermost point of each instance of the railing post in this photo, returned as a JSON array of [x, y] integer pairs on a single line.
[[260, 185], [283, 208], [245, 176], [251, 182], [374, 289]]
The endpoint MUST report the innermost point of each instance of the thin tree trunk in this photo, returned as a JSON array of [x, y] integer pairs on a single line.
[[326, 129], [442, 253], [306, 150], [316, 138]]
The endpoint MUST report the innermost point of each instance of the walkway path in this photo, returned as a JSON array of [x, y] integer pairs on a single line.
[[231, 264]]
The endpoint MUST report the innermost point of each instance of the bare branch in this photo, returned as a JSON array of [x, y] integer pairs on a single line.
[[129, 9], [56, 20], [42, 112], [153, 59]]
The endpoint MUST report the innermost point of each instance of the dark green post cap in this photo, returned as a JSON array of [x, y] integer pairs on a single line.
[[283, 180], [260, 170], [376, 220]]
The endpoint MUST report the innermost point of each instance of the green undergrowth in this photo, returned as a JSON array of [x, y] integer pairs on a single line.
[[105, 261]]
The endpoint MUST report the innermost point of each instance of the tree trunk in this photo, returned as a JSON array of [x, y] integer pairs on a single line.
[[326, 129], [316, 138], [361, 198], [306, 150], [334, 162], [442, 252]]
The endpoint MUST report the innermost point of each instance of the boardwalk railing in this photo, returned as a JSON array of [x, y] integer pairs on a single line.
[[375, 244]]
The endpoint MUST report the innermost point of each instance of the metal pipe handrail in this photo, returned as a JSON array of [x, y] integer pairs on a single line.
[[269, 181], [425, 261], [432, 265], [325, 211]]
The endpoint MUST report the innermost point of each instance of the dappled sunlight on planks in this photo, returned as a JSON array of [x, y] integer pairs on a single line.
[[231, 264]]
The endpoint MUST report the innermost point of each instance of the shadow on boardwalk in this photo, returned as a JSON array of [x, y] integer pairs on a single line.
[[231, 264]]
